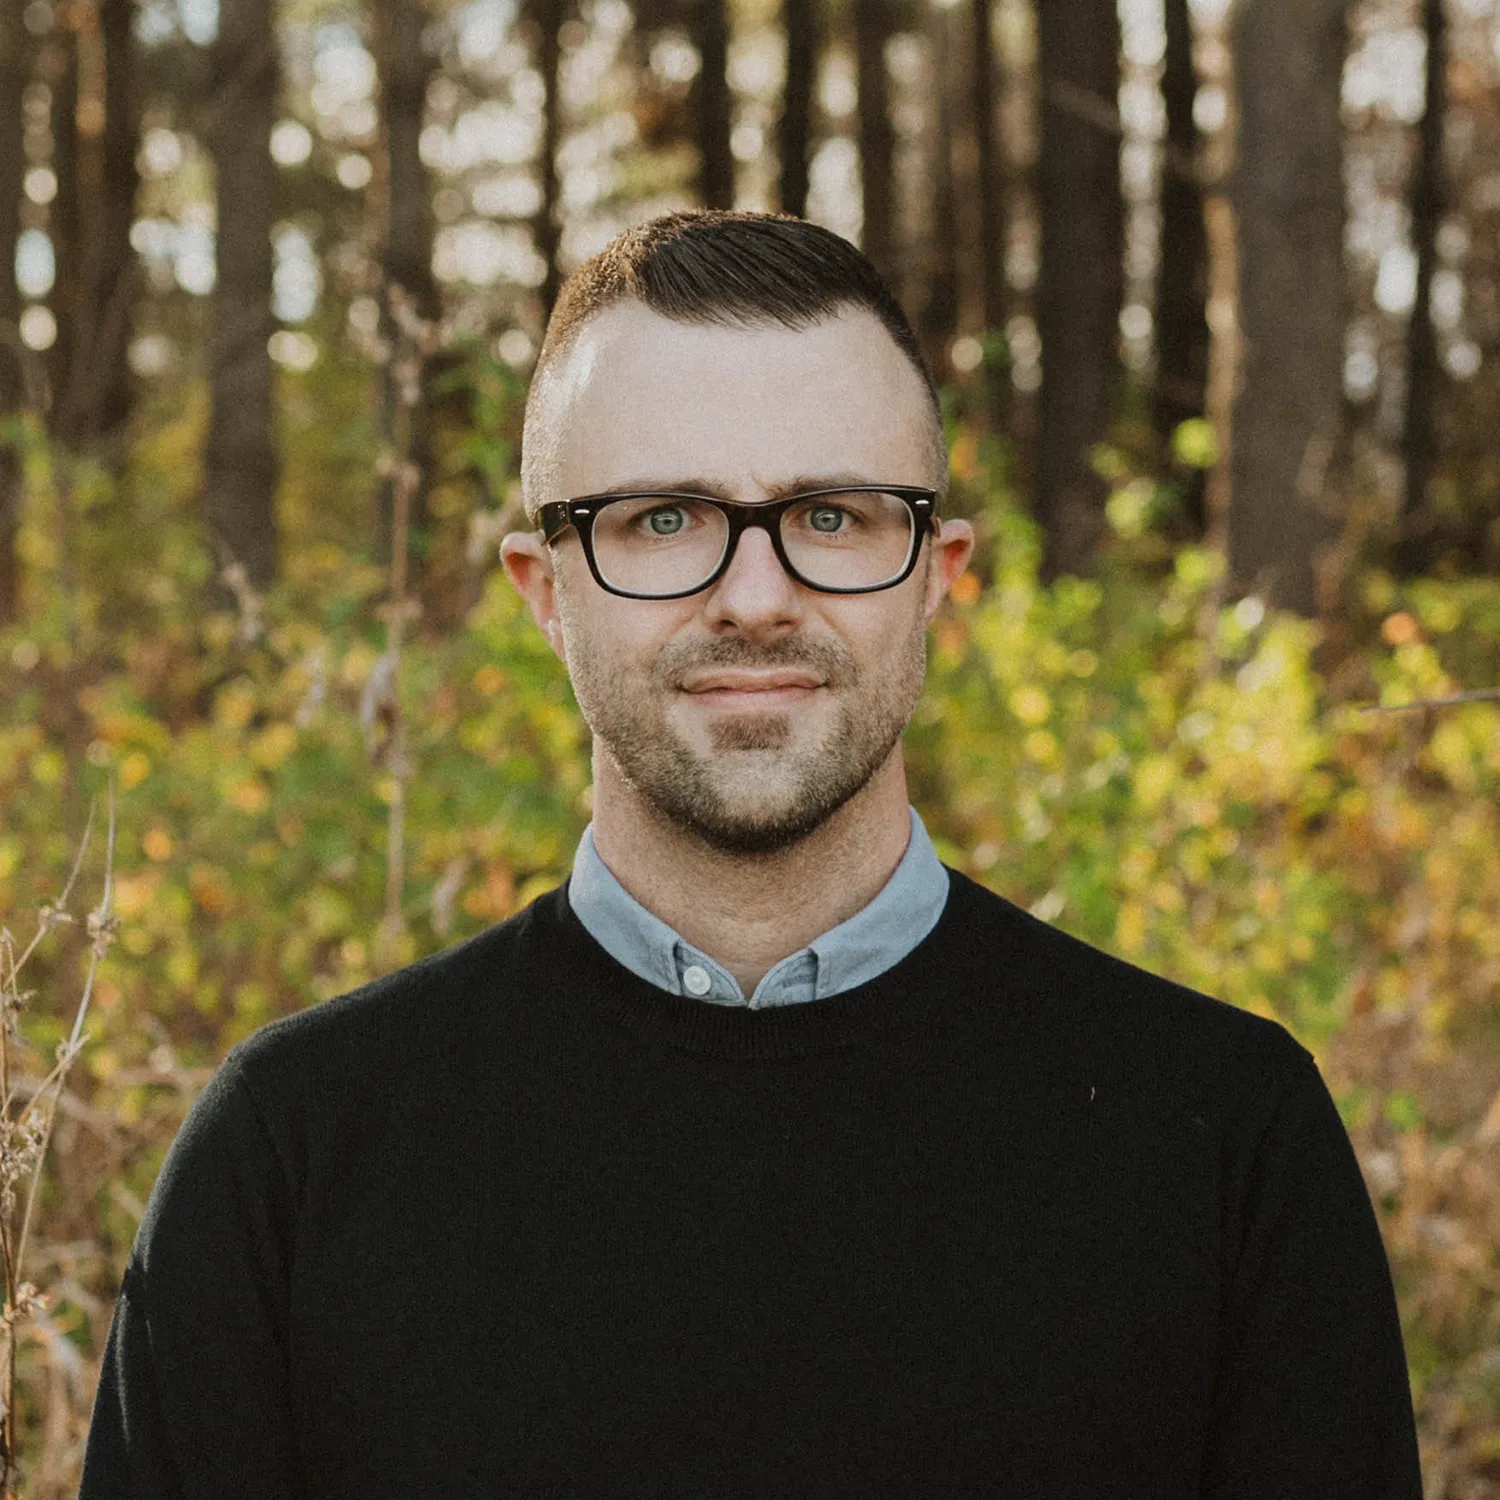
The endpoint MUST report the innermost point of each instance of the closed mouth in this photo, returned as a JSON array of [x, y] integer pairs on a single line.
[[756, 683]]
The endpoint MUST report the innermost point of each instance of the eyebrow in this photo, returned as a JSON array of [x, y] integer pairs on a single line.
[[800, 485]]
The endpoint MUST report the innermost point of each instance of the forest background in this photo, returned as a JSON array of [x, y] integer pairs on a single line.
[[1213, 293]]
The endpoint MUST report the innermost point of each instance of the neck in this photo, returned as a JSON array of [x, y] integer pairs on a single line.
[[749, 911]]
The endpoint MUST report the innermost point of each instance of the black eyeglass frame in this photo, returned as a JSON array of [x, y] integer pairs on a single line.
[[555, 518]]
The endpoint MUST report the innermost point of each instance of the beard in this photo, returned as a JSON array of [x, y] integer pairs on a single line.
[[756, 791]]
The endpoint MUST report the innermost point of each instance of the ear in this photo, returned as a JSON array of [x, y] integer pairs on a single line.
[[952, 547], [528, 565]]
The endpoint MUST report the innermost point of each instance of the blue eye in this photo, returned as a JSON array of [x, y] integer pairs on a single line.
[[667, 521], [826, 518]]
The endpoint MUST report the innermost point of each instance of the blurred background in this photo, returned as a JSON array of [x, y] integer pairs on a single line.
[[1212, 290]]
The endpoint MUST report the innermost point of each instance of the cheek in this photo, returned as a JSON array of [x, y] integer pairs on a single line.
[[606, 637], [881, 637]]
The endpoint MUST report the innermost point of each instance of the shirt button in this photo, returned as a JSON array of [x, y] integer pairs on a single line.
[[695, 980]]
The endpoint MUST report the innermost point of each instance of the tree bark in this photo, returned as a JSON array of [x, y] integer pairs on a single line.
[[547, 17], [710, 26], [1182, 287], [405, 68], [991, 183], [242, 467], [13, 74], [877, 140], [937, 321], [96, 397], [799, 17], [60, 67], [1419, 543], [1080, 288], [1289, 197]]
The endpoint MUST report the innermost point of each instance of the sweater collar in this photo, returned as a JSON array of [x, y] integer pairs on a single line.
[[874, 939], [906, 1002]]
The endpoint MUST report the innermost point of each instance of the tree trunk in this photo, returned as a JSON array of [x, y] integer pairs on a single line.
[[405, 69], [877, 140], [13, 74], [1419, 542], [991, 183], [1289, 198], [242, 468], [938, 319], [710, 25], [64, 217], [1082, 274], [96, 397], [547, 17], [800, 20], [1182, 288]]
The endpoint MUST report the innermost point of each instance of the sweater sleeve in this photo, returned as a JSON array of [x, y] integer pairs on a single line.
[[193, 1397], [1312, 1399]]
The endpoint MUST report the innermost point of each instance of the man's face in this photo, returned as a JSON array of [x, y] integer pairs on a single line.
[[748, 713]]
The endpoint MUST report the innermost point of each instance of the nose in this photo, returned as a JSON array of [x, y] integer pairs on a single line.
[[756, 597]]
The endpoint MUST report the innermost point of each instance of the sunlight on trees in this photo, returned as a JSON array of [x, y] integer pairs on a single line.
[[1217, 339]]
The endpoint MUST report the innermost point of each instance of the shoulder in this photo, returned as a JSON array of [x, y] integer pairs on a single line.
[[430, 1015], [1082, 1006], [375, 1075]]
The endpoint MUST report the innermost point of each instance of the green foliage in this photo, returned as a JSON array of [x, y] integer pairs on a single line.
[[1168, 778], [1184, 782], [251, 853], [1093, 753]]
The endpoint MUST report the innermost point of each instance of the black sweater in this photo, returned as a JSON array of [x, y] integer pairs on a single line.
[[1013, 1219]]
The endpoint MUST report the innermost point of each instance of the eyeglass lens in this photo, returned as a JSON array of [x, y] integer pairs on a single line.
[[667, 544]]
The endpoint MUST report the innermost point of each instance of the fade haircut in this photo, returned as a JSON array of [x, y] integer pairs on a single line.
[[730, 269]]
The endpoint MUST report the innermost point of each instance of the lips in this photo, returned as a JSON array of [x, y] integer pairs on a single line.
[[749, 682], [747, 691]]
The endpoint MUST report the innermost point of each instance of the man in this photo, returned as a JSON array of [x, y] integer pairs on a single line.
[[768, 1157]]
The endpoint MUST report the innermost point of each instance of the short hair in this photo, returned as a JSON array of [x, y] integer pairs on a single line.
[[730, 268]]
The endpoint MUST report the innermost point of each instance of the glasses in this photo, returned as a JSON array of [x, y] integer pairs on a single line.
[[651, 545]]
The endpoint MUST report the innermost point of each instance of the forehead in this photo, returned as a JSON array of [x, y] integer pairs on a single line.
[[639, 397]]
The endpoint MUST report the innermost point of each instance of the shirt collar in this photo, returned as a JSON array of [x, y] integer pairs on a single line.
[[874, 939]]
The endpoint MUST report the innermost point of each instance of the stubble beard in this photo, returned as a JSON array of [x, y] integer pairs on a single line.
[[754, 792]]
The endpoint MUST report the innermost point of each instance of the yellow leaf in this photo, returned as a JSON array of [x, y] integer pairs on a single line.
[[134, 769], [1130, 927], [272, 745], [47, 767], [250, 795], [234, 706], [965, 590], [1400, 629], [1154, 778], [1166, 896], [1195, 444], [210, 889], [1041, 746], [1031, 705], [135, 893]]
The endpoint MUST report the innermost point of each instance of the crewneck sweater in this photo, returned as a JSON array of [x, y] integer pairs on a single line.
[[881, 933], [1012, 1219]]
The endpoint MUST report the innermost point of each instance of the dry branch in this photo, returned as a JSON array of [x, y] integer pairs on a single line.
[[28, 1108]]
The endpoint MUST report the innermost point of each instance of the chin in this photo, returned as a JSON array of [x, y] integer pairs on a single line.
[[766, 809], [751, 732], [747, 837]]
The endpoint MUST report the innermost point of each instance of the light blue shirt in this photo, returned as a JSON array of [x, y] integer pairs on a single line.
[[870, 942]]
